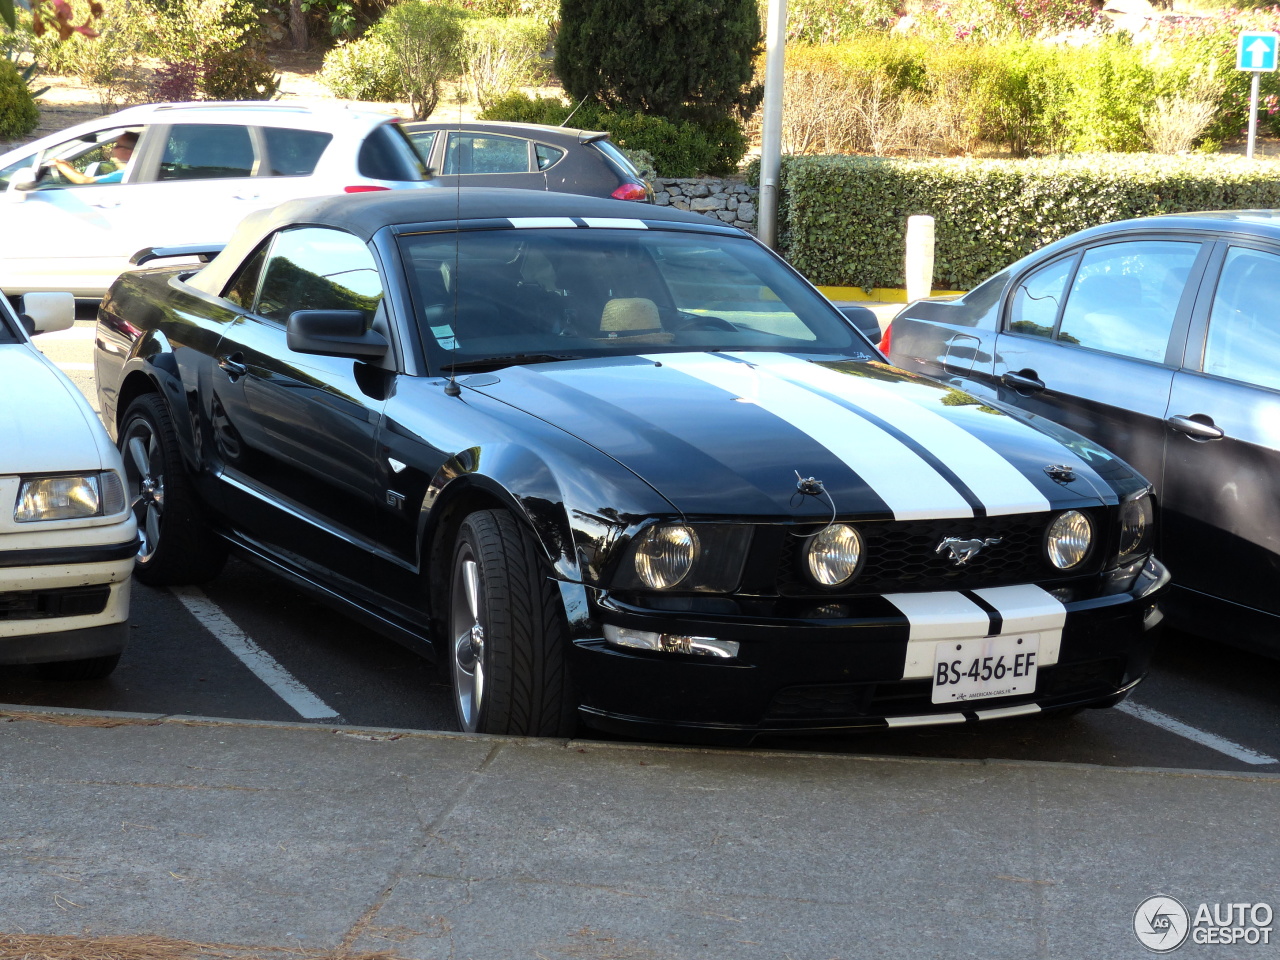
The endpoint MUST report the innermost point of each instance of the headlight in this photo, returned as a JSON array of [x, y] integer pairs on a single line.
[[1069, 539], [69, 498], [1137, 524], [665, 555], [833, 554]]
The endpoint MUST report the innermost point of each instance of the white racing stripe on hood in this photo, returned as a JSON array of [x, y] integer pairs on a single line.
[[912, 488], [1000, 486]]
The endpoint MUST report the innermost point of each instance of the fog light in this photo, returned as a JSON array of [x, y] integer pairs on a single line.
[[834, 554], [670, 643], [1069, 539]]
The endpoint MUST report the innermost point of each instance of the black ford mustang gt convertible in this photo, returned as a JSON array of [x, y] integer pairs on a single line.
[[617, 466]]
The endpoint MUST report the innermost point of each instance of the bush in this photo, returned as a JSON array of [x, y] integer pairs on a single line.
[[362, 70], [423, 42], [238, 75], [668, 58], [501, 54], [830, 21], [843, 219], [677, 148], [18, 112]]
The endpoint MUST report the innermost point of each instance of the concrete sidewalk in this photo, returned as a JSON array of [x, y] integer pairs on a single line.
[[440, 845]]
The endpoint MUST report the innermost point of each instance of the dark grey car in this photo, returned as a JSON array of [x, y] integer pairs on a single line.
[[527, 156], [1160, 339]]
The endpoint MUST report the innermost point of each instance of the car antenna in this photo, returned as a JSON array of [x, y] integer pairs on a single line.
[[566, 120], [451, 389]]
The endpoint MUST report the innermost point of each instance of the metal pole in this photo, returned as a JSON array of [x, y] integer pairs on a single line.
[[1253, 115], [771, 125]]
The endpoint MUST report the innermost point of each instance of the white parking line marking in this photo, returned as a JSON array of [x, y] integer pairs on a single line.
[[1210, 740], [264, 666]]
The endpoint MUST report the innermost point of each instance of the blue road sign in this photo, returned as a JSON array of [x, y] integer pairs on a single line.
[[1257, 51]]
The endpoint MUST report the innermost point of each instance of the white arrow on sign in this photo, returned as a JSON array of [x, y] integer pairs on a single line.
[[1257, 51]]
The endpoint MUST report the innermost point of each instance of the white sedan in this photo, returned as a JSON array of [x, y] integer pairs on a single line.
[[67, 535], [78, 203]]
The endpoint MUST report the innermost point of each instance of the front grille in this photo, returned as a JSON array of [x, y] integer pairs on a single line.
[[902, 556], [46, 604]]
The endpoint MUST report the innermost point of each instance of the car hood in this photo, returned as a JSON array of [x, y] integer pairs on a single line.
[[733, 433], [47, 426]]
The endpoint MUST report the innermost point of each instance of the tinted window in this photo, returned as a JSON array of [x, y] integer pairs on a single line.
[[294, 153], [1125, 295], [423, 141], [13, 168], [485, 153], [313, 268], [207, 151], [547, 156], [603, 291], [1034, 309], [244, 285], [1244, 325], [387, 154], [617, 157]]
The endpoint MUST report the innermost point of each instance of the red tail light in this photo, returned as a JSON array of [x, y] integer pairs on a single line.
[[885, 339], [630, 191], [363, 188]]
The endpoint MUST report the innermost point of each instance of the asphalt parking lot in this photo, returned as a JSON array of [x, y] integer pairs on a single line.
[[249, 646]]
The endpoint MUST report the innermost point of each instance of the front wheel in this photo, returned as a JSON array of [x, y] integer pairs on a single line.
[[507, 633], [177, 545]]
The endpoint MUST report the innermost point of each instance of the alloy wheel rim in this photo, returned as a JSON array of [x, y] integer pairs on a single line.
[[466, 602], [146, 485]]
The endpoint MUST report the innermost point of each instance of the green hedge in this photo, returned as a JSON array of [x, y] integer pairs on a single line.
[[842, 220]]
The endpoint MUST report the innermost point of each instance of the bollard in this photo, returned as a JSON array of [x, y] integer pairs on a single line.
[[919, 257]]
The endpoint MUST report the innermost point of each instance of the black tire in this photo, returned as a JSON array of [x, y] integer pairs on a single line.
[[177, 544], [94, 668], [508, 641]]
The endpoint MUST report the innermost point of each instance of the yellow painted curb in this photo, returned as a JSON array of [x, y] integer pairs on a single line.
[[882, 294]]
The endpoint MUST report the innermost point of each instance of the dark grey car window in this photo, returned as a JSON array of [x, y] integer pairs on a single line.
[[294, 153], [423, 141], [207, 151], [547, 156], [387, 154], [317, 268], [1244, 324], [485, 153], [1125, 296], [1037, 299], [244, 285]]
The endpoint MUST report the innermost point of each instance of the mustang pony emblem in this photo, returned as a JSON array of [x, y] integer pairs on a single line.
[[962, 551]]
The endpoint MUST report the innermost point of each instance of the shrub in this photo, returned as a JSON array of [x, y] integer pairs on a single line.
[[684, 59], [238, 75], [362, 70], [843, 218], [830, 21], [1008, 19], [501, 54], [176, 81], [18, 112], [423, 42], [522, 108]]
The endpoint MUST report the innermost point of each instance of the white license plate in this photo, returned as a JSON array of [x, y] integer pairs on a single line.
[[982, 669]]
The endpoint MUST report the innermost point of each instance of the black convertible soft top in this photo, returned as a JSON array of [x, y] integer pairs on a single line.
[[364, 214]]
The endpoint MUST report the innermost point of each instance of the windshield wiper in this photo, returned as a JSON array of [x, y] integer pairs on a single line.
[[492, 363]]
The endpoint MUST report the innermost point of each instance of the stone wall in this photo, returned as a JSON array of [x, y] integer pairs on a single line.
[[729, 200]]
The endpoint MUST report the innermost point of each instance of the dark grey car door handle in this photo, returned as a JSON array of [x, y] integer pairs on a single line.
[[233, 368], [1020, 382], [1196, 429]]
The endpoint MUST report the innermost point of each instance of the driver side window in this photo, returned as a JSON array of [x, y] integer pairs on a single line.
[[93, 159]]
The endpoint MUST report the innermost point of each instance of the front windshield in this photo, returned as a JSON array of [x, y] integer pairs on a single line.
[[527, 294]]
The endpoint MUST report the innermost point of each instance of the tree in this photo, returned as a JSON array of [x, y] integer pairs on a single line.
[[53, 15], [682, 59]]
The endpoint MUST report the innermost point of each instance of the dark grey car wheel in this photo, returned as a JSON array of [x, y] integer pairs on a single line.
[[507, 633], [177, 545]]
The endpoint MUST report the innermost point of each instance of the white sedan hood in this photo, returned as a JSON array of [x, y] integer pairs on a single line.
[[46, 425]]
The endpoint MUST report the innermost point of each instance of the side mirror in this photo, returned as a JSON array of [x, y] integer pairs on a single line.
[[864, 319], [23, 182], [48, 312], [334, 333]]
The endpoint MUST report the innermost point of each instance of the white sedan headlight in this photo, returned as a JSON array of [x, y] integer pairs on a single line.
[[69, 497]]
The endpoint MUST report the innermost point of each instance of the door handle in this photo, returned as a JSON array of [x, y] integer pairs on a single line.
[[246, 196], [1021, 381], [106, 204], [233, 368], [1197, 429]]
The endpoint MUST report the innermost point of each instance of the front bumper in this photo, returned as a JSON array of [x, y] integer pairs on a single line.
[[869, 670], [67, 602]]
